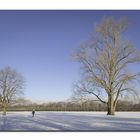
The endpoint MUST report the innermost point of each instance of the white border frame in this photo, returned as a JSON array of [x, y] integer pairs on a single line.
[[70, 4]]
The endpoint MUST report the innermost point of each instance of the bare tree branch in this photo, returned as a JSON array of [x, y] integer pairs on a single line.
[[105, 59], [11, 85]]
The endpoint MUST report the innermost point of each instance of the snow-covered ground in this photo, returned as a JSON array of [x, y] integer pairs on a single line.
[[70, 121]]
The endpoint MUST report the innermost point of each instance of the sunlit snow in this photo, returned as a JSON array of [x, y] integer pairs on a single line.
[[70, 121]]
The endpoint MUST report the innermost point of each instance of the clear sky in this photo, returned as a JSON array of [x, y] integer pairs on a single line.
[[39, 44]]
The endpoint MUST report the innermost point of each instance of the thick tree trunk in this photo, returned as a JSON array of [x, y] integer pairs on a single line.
[[110, 105], [4, 111], [4, 108]]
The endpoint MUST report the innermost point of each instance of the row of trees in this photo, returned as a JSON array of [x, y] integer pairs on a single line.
[[89, 105]]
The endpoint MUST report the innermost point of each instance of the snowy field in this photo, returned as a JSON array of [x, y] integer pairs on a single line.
[[70, 121]]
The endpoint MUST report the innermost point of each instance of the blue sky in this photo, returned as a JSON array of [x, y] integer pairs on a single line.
[[39, 44]]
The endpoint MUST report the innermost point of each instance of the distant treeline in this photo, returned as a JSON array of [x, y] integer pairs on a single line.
[[73, 106]]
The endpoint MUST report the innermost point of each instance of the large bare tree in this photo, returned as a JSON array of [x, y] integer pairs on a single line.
[[106, 58], [11, 85]]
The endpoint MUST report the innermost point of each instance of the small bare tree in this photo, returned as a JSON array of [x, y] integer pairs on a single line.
[[105, 59], [11, 85]]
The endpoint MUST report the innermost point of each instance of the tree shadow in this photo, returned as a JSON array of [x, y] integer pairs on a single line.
[[66, 122], [29, 123]]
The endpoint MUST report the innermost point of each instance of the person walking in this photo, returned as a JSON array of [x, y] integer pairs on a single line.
[[33, 112]]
